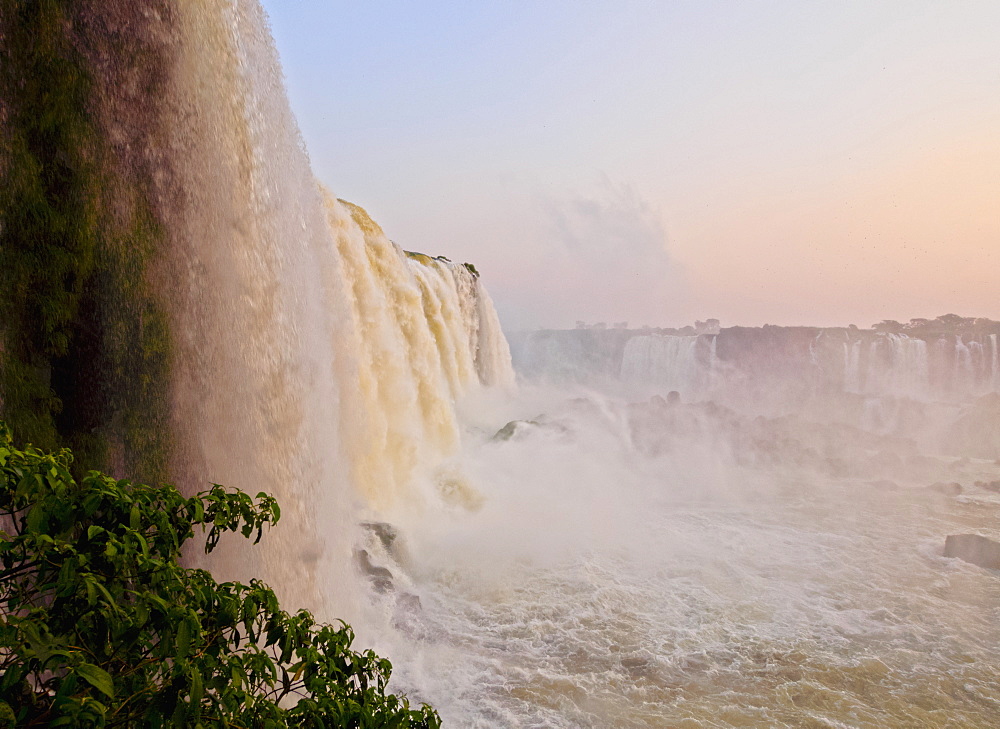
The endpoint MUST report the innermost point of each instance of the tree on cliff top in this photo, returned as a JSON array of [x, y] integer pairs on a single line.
[[100, 626]]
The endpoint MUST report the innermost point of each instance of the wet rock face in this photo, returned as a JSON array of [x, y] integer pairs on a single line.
[[948, 488], [385, 533], [381, 578], [974, 548]]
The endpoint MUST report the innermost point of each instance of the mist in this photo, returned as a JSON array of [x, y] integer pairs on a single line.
[[752, 536], [604, 239]]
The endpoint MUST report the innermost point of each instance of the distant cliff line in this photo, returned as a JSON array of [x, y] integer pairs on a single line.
[[947, 358]]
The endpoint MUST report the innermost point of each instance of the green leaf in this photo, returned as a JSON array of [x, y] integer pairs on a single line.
[[36, 518], [196, 688], [183, 641], [98, 678], [165, 636]]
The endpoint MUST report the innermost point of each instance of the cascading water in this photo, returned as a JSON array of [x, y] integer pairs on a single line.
[[994, 363], [852, 366], [669, 362], [314, 359], [424, 333], [875, 364], [595, 563]]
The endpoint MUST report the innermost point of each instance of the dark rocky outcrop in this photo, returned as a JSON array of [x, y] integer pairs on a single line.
[[993, 486], [84, 94], [386, 534], [951, 488], [511, 429], [974, 548], [381, 578]]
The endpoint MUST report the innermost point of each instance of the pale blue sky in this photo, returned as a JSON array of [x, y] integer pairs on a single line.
[[656, 162]]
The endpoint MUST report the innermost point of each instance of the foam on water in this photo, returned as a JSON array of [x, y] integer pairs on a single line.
[[604, 582]]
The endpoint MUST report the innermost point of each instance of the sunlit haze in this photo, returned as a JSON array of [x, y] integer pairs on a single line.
[[766, 162], [481, 302]]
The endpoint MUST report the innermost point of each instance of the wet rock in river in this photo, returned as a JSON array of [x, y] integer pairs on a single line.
[[380, 577], [993, 486], [952, 488], [974, 548]]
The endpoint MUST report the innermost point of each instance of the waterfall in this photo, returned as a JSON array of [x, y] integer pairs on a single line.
[[852, 366], [424, 332], [669, 362], [964, 375], [909, 371], [994, 363], [314, 359]]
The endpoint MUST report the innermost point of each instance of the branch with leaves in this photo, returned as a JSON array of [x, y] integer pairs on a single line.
[[100, 625]]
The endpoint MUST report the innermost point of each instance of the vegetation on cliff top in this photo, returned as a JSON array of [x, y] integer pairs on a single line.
[[100, 626]]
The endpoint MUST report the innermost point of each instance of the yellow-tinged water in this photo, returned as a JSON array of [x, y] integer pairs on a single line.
[[313, 359]]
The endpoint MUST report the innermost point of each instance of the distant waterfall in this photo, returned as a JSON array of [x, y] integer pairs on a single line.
[[780, 364], [893, 365], [994, 363], [852, 366], [670, 362]]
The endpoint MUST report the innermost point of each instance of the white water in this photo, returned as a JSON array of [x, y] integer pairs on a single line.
[[659, 575], [896, 365], [610, 564], [649, 566], [669, 363], [952, 368], [315, 360]]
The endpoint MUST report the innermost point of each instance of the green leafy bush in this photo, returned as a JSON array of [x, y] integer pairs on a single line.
[[100, 625]]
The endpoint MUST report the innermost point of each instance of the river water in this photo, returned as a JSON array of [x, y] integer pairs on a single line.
[[648, 567]]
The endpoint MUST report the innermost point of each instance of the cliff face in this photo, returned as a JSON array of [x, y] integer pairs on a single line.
[[948, 359], [84, 338], [935, 381]]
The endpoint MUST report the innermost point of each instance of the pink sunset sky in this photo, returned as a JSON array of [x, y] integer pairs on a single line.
[[774, 162]]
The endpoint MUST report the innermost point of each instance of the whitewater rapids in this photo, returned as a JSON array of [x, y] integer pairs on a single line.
[[642, 567]]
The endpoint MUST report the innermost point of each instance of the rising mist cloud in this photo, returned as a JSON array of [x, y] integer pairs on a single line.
[[596, 255]]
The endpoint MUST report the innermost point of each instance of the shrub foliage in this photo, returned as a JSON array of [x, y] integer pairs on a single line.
[[101, 626]]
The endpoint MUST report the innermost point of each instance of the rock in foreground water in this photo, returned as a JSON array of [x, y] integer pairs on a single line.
[[974, 548]]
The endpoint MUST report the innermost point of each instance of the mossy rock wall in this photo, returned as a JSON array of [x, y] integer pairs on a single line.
[[85, 355]]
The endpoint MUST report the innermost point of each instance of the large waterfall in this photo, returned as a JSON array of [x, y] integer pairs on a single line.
[[314, 358], [681, 363]]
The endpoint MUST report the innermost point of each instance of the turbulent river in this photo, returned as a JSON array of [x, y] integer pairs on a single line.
[[676, 566]]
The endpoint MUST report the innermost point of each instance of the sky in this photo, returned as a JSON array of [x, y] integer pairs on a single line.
[[768, 161]]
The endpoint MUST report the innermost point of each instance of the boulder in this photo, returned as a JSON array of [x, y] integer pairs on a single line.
[[513, 428], [380, 577], [386, 533], [993, 486], [974, 548], [952, 488], [385, 540]]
